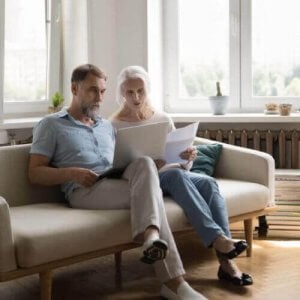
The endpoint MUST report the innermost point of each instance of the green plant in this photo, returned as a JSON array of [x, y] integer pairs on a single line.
[[57, 99]]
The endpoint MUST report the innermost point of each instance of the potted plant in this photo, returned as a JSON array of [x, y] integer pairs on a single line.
[[56, 103], [219, 102]]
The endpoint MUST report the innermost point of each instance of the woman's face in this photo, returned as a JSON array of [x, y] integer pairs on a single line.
[[134, 93]]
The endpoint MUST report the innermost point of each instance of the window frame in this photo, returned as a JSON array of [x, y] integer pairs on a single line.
[[52, 23], [240, 64]]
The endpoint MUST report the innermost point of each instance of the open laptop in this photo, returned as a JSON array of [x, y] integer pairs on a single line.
[[137, 141]]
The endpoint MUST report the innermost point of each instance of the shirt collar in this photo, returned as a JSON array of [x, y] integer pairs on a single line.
[[64, 113]]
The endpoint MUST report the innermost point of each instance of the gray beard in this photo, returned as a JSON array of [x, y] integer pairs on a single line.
[[90, 113]]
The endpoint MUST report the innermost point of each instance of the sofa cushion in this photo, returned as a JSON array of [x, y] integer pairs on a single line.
[[207, 158], [50, 231], [243, 197]]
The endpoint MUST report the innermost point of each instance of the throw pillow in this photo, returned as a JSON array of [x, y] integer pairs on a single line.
[[207, 158]]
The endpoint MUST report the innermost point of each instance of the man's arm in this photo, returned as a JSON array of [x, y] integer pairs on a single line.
[[40, 172]]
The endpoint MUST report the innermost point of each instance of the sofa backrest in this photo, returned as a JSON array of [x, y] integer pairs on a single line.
[[15, 187]]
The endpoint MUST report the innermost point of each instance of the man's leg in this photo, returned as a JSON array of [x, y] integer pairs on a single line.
[[148, 209]]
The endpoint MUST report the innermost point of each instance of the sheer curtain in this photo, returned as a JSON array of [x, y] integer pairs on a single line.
[[74, 43]]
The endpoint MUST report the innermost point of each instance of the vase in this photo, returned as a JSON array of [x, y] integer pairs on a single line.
[[218, 104]]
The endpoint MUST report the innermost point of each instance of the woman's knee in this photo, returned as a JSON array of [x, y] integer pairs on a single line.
[[174, 174]]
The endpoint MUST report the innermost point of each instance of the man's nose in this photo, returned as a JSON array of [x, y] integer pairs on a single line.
[[100, 96]]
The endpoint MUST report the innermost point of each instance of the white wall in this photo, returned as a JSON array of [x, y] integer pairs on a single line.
[[117, 38]]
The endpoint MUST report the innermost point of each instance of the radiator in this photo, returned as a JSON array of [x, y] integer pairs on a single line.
[[283, 145]]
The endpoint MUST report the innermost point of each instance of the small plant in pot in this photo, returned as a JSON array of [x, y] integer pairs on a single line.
[[56, 101], [219, 102]]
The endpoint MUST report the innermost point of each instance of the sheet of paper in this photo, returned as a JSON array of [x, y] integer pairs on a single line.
[[178, 141]]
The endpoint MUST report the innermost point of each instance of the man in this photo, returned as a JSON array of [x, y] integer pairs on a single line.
[[74, 146]]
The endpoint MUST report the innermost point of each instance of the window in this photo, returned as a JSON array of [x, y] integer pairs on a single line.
[[251, 47], [30, 39]]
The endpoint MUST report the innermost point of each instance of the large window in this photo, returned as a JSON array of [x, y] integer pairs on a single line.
[[251, 47], [28, 30]]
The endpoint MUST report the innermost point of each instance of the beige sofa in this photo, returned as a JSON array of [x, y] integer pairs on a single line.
[[39, 232]]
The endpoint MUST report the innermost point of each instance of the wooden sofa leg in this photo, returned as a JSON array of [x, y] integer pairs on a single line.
[[248, 227], [118, 265], [46, 284]]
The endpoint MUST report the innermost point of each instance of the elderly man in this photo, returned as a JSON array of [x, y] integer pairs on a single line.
[[74, 146]]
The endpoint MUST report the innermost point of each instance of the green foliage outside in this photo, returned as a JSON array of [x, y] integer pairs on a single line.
[[200, 81]]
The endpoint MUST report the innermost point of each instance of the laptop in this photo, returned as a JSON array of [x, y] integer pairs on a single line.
[[137, 141]]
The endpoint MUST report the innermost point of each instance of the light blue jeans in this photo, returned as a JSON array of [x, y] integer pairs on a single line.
[[199, 197]]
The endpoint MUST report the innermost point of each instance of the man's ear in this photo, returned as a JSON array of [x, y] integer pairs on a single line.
[[74, 88]]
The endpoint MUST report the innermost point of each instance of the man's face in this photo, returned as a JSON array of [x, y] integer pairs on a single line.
[[89, 94]]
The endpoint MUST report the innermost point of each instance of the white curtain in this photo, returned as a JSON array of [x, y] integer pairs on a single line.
[[74, 43]]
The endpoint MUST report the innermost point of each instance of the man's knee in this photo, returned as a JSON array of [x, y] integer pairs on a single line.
[[145, 162]]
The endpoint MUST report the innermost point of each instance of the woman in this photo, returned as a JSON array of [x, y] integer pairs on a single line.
[[197, 194]]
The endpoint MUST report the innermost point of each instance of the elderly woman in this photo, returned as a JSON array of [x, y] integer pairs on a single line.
[[197, 194]]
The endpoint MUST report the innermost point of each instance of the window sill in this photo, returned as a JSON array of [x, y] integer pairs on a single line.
[[235, 118], [17, 123]]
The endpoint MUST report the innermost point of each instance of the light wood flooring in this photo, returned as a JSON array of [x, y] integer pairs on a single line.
[[275, 267]]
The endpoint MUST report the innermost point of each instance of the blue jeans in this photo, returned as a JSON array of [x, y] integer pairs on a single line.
[[199, 197]]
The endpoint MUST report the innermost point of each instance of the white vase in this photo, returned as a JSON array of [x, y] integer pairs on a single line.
[[218, 104]]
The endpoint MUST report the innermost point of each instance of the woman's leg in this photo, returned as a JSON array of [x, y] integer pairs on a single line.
[[177, 184], [209, 190]]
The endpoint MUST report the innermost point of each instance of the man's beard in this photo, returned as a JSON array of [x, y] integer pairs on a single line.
[[90, 111]]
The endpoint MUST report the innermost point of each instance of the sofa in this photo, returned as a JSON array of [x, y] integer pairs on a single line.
[[39, 232]]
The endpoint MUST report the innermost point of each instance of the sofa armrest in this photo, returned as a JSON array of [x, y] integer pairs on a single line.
[[245, 164], [7, 251]]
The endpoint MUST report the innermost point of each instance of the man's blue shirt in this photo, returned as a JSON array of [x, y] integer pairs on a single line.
[[69, 143]]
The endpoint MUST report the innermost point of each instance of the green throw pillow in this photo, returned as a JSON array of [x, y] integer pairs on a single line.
[[207, 158]]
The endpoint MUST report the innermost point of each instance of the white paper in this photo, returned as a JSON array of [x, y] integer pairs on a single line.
[[178, 141]]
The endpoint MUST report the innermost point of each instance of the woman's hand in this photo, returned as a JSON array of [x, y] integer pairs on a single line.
[[189, 154], [159, 163]]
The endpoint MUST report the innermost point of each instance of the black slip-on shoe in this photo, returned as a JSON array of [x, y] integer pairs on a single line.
[[246, 279], [239, 247]]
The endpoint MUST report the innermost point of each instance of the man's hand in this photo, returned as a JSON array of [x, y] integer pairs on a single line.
[[159, 163], [189, 154], [84, 177]]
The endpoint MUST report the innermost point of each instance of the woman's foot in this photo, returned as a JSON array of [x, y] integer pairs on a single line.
[[229, 271], [154, 250], [184, 292], [228, 248], [243, 280]]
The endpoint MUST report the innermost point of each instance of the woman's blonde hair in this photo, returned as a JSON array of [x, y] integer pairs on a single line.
[[132, 72]]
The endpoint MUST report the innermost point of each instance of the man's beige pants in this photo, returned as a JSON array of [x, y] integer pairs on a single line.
[[139, 191]]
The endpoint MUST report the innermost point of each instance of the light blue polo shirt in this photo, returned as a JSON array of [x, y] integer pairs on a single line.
[[69, 143]]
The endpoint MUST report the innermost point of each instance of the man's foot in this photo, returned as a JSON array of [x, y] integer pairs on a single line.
[[184, 292], [154, 250]]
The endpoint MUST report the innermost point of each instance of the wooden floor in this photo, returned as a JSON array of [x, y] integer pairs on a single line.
[[275, 266]]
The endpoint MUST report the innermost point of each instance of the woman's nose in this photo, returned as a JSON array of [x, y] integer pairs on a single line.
[[136, 95]]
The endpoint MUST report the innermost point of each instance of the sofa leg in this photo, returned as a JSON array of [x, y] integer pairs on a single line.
[[248, 227], [45, 284], [118, 265]]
